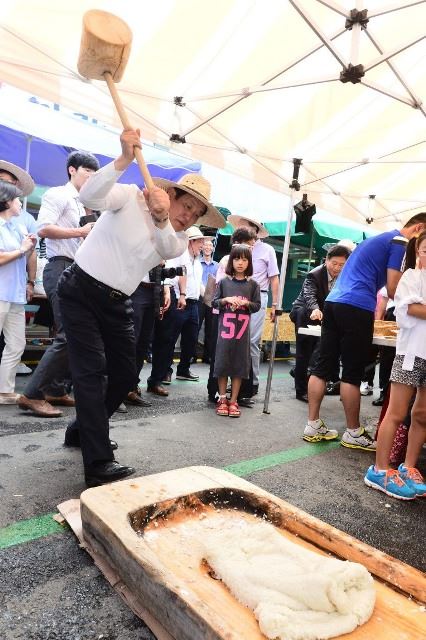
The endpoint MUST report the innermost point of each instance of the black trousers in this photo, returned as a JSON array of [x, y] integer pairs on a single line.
[[307, 350], [101, 347], [52, 374], [205, 315], [144, 317], [162, 345]]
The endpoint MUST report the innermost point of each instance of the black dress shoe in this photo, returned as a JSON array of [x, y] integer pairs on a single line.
[[246, 402], [72, 439], [105, 472], [303, 397]]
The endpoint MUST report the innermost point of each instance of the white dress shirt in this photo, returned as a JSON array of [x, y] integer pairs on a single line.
[[194, 275], [124, 243], [61, 206]]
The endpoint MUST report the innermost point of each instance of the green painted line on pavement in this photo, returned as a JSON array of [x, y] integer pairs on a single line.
[[42, 526], [27, 530], [247, 467]]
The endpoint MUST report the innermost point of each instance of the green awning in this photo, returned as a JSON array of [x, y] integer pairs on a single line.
[[326, 228]]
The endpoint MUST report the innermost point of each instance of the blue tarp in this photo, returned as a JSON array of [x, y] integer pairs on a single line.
[[48, 160]]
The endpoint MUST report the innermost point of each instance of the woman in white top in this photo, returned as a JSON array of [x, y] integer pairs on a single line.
[[408, 374], [15, 244]]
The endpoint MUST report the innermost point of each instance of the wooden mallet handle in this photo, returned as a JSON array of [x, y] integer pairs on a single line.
[[126, 124]]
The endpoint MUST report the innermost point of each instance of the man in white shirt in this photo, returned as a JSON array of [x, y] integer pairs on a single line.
[[59, 222], [181, 320], [136, 231]]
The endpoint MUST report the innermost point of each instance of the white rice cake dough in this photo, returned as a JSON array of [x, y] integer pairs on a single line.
[[296, 594]]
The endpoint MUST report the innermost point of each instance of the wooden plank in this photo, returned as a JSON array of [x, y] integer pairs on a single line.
[[141, 527], [70, 510]]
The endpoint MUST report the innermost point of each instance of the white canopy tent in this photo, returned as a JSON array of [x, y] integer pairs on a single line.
[[325, 96], [248, 86]]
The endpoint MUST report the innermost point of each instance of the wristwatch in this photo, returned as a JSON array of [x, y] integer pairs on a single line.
[[182, 294], [31, 282]]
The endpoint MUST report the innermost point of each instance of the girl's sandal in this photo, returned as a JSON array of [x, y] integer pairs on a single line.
[[234, 410], [222, 407]]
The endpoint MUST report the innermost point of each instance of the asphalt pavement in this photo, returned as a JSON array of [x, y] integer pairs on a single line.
[[50, 588]]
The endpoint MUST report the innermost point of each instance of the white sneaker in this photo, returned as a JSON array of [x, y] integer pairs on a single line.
[[317, 434], [364, 441], [366, 389], [23, 370]]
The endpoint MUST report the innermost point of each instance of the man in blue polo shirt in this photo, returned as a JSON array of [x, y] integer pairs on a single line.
[[347, 329]]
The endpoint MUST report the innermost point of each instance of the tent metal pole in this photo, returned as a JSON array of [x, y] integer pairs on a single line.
[[27, 166], [356, 36], [295, 186], [389, 9], [311, 247]]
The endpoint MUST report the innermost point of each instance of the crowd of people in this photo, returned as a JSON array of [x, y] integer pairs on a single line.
[[129, 271]]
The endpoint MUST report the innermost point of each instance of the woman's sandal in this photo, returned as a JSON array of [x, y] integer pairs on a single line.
[[222, 406], [233, 410]]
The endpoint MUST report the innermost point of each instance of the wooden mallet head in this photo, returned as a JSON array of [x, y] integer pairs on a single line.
[[105, 46], [104, 52]]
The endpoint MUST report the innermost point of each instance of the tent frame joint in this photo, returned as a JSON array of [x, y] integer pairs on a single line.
[[176, 137], [357, 17], [352, 73], [178, 101]]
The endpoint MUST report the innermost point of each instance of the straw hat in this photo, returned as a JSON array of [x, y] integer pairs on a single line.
[[238, 221], [199, 187], [194, 233], [25, 182]]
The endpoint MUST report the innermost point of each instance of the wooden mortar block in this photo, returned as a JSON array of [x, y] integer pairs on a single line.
[[135, 525]]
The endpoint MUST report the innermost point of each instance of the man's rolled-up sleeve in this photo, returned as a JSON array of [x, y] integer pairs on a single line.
[[52, 205], [101, 192]]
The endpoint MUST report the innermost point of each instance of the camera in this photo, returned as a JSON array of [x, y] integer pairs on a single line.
[[92, 217], [159, 274]]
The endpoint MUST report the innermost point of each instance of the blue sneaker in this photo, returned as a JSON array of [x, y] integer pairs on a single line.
[[414, 479], [390, 482]]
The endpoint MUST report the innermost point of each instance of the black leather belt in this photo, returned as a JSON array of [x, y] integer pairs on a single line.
[[62, 258], [191, 301], [147, 285], [264, 291], [109, 291]]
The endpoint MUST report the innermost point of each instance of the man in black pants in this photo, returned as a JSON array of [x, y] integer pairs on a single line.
[[134, 234], [58, 222], [308, 308]]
